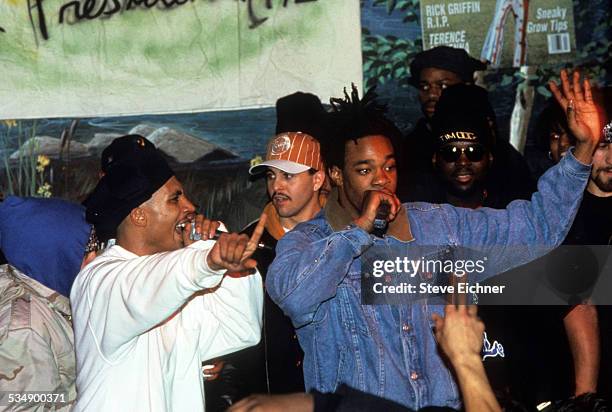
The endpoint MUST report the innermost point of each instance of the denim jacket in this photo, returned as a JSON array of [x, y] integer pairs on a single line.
[[390, 350]]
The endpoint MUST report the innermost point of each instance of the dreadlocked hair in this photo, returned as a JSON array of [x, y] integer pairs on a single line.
[[352, 118]]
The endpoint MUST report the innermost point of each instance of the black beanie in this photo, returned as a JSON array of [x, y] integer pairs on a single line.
[[134, 170]]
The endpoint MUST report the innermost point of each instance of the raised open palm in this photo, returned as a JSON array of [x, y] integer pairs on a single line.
[[577, 102]]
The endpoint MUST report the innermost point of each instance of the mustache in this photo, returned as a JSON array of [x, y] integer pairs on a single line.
[[275, 194], [463, 171]]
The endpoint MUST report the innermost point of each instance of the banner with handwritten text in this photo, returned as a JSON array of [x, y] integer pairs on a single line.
[[69, 58], [506, 33]]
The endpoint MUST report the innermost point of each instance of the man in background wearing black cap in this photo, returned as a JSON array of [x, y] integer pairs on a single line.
[[463, 157], [433, 71], [152, 307]]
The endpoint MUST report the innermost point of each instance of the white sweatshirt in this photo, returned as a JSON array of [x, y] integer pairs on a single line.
[[142, 331]]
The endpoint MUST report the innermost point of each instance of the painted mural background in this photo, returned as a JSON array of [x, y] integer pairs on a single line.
[[217, 177]]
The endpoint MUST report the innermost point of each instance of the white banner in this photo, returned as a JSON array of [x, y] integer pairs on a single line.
[[82, 58]]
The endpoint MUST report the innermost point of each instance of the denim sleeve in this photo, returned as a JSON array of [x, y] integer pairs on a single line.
[[306, 271], [524, 230]]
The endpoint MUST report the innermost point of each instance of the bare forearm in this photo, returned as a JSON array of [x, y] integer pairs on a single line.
[[581, 326], [584, 152], [475, 388]]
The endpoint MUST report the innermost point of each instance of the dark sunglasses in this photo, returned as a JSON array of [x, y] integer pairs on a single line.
[[474, 153]]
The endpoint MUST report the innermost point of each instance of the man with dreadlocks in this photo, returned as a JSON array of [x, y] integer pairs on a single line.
[[316, 277]]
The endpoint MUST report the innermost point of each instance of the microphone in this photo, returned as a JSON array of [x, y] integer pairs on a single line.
[[382, 218], [193, 235], [218, 233]]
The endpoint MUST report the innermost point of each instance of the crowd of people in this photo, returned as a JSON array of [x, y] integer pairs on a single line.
[[134, 301]]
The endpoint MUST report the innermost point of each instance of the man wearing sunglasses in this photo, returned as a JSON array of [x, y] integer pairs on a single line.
[[462, 164], [463, 156]]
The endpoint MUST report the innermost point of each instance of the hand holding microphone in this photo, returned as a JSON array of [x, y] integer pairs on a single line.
[[200, 228], [378, 209], [382, 217]]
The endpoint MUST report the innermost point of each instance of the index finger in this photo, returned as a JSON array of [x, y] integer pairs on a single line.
[[395, 206], [209, 227], [397, 202], [216, 367], [259, 229]]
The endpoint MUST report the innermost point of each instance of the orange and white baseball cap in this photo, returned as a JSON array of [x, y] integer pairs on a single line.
[[291, 152]]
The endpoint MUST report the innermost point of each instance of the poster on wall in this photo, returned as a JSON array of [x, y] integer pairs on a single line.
[[506, 33], [78, 58]]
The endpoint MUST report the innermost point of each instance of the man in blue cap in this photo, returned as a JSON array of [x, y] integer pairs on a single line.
[[44, 241]]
